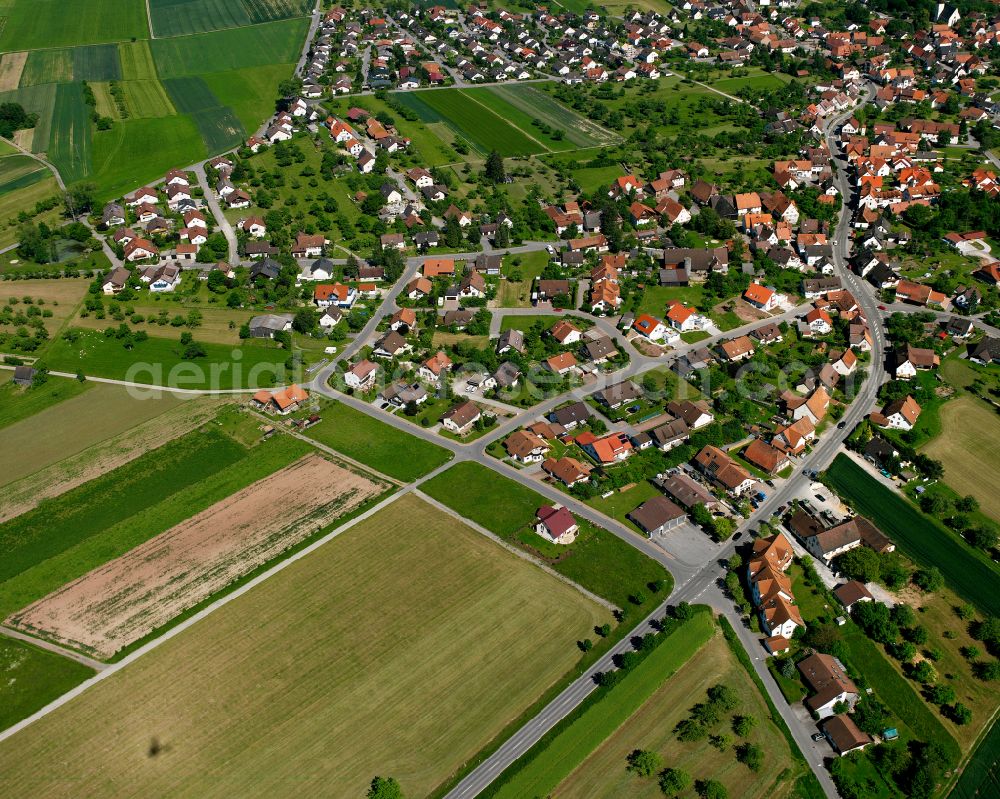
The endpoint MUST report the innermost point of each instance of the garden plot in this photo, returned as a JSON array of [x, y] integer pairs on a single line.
[[126, 599]]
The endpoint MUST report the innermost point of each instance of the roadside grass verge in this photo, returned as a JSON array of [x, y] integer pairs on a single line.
[[32, 678]]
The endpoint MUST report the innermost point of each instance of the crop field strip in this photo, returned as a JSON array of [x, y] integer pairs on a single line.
[[11, 67], [465, 117], [415, 654], [111, 514], [127, 598], [18, 171], [118, 430], [579, 130], [184, 17], [221, 51], [69, 147]]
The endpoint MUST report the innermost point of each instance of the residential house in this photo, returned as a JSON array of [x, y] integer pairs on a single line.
[[460, 418], [830, 685], [556, 524], [657, 515], [724, 471], [567, 470], [361, 376]]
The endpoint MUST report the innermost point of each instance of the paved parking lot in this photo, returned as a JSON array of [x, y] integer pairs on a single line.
[[688, 544]]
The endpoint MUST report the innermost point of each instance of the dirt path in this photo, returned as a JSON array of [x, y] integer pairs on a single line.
[[90, 663]]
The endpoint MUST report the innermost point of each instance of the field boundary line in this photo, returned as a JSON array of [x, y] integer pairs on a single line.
[[56, 649], [465, 93], [519, 552], [113, 668]]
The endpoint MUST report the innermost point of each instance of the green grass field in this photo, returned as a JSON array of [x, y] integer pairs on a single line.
[[48, 66], [602, 774], [108, 516], [32, 678], [237, 48], [535, 104], [920, 537], [513, 109], [137, 150], [241, 90], [220, 129], [96, 62], [385, 449], [363, 659], [980, 777], [899, 694], [556, 756], [159, 362], [18, 172], [485, 130], [13, 201], [37, 24], [182, 17], [39, 100], [146, 99], [69, 147], [597, 560], [969, 447], [190, 93], [137, 60]]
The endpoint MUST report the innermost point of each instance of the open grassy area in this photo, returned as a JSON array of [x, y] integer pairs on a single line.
[[527, 322], [386, 449], [402, 659], [555, 756], [597, 560], [32, 678], [651, 727], [621, 503], [160, 362], [66, 536], [920, 537], [969, 448]]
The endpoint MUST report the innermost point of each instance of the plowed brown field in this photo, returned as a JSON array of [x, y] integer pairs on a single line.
[[129, 597]]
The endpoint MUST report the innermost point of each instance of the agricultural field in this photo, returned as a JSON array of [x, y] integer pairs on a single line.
[[969, 447], [500, 118], [597, 560], [920, 537], [166, 125], [18, 402], [23, 182], [124, 600], [233, 49], [116, 511], [60, 296], [85, 436], [376, 444], [483, 129], [402, 646], [32, 678], [535, 104], [651, 727], [219, 325], [38, 24], [542, 771], [183, 17]]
